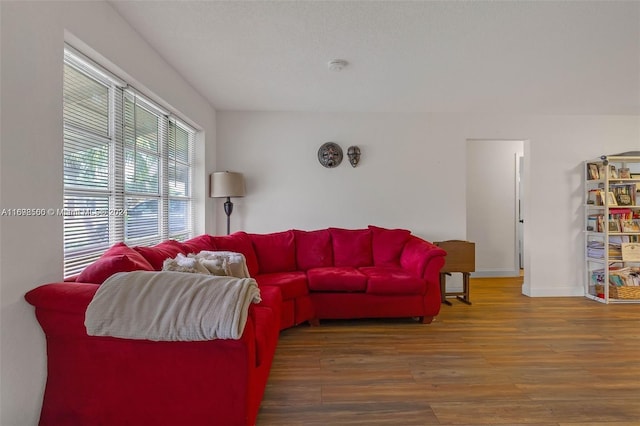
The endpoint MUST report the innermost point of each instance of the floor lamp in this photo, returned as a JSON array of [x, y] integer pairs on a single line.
[[227, 185]]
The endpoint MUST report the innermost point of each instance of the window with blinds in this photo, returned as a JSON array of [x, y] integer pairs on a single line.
[[127, 167]]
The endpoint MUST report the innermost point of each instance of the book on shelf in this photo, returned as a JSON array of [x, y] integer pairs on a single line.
[[630, 225], [615, 252], [624, 173], [623, 217], [616, 280], [592, 223], [596, 249], [621, 213], [629, 276], [597, 276], [614, 225], [595, 197], [619, 220], [625, 194], [631, 252], [618, 240], [593, 171]]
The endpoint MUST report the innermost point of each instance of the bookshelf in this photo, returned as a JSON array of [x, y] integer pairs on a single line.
[[612, 228]]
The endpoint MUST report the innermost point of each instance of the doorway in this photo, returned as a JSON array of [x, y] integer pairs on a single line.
[[494, 196]]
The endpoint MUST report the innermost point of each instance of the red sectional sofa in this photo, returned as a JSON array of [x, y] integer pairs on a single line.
[[303, 276]]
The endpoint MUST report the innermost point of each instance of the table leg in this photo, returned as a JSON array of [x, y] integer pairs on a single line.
[[443, 288], [465, 288]]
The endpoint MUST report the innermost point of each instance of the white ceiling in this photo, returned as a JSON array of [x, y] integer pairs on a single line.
[[549, 57]]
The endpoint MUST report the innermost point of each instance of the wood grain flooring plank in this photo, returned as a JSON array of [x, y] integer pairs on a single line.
[[341, 414], [505, 360]]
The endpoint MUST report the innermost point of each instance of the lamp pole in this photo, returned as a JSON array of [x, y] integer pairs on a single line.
[[228, 209]]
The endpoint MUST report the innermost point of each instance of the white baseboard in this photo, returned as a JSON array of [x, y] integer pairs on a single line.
[[491, 274]]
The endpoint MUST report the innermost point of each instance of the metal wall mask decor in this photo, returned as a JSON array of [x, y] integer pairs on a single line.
[[354, 155], [330, 154]]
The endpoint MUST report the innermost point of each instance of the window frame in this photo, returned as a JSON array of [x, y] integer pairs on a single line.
[[116, 216]]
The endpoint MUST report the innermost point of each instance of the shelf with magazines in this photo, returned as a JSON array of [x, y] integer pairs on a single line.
[[612, 228]]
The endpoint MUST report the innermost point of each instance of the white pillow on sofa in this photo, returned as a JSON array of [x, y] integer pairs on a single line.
[[235, 263], [218, 266], [182, 263]]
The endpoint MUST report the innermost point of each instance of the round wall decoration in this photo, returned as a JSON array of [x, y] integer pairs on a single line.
[[330, 154]]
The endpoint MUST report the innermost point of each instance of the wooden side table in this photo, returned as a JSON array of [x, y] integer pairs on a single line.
[[461, 257]]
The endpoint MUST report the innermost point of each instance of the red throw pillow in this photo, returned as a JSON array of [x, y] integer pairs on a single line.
[[239, 242], [388, 245], [157, 254], [276, 252], [119, 258], [313, 249], [199, 243], [351, 247]]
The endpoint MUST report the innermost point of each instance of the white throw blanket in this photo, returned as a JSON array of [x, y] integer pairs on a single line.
[[171, 306]]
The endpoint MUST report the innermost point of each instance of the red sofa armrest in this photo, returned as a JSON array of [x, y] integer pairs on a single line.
[[67, 297], [423, 259]]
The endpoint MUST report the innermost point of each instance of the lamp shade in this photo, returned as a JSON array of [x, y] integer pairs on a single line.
[[226, 184]]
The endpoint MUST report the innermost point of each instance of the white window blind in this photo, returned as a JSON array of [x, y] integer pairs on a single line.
[[127, 167]]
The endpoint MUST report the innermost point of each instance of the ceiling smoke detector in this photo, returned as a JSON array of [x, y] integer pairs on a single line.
[[337, 64]]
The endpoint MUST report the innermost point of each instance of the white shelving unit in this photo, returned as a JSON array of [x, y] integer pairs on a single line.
[[612, 223]]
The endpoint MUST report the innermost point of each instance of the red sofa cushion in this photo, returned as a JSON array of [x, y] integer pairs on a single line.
[[276, 252], [199, 243], [392, 280], [337, 279], [313, 249], [351, 247], [387, 245], [119, 258], [157, 254], [291, 284], [239, 242]]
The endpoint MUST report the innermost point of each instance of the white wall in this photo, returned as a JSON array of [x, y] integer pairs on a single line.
[[412, 175], [32, 41], [397, 183], [491, 205]]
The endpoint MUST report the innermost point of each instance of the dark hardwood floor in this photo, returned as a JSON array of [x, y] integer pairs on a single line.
[[505, 360]]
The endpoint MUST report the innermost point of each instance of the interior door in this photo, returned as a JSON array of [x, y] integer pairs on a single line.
[[520, 218]]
